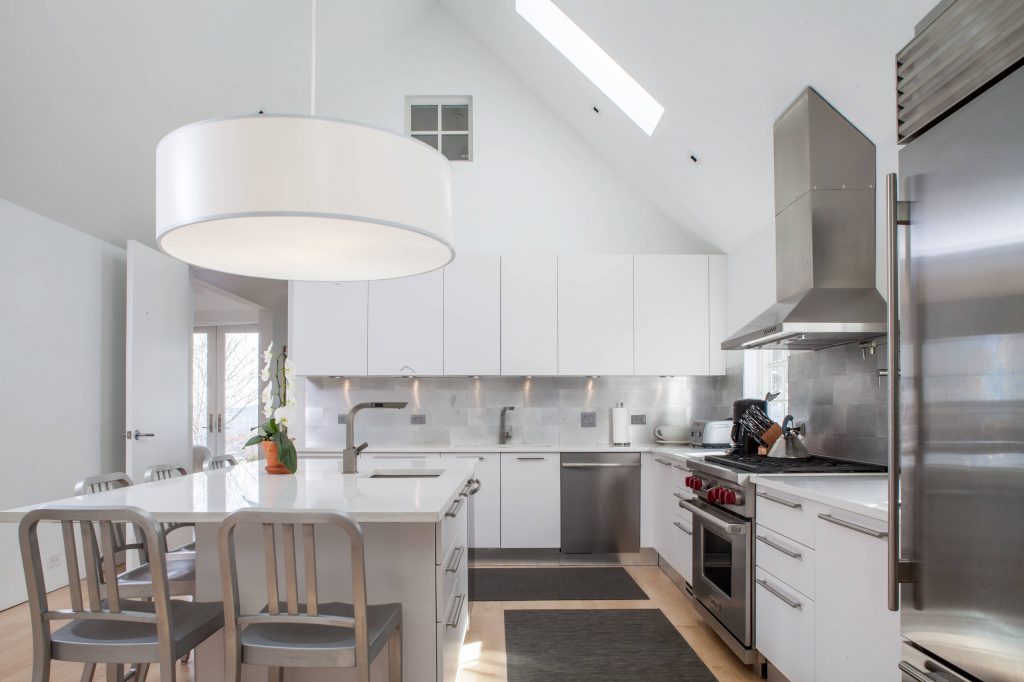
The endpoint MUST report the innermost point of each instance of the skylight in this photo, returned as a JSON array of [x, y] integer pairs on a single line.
[[592, 61]]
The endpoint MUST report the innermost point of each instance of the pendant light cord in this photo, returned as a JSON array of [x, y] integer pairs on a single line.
[[312, 70]]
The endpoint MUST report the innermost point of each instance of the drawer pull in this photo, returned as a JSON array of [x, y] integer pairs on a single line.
[[682, 528], [914, 673], [531, 459], [853, 526], [791, 603], [456, 507], [680, 496], [779, 500], [662, 461], [679, 466], [456, 612], [456, 561], [774, 545]]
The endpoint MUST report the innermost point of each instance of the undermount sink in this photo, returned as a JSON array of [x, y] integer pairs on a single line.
[[405, 473]]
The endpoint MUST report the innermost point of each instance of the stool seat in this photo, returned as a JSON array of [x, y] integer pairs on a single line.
[[181, 579]]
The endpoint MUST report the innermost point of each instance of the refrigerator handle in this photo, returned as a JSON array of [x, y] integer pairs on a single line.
[[897, 213]]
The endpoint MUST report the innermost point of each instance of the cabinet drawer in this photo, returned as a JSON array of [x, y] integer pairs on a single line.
[[679, 472], [682, 525], [531, 503], [789, 561], [784, 628], [450, 574], [451, 631], [453, 529], [787, 515], [398, 460]]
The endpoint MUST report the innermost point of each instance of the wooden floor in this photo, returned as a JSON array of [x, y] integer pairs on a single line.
[[483, 654]]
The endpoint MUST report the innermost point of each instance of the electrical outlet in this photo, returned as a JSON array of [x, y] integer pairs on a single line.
[[638, 419], [53, 560], [343, 419], [588, 419], [418, 419]]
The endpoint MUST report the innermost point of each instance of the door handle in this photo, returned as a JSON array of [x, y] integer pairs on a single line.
[[791, 603], [774, 545], [139, 434], [220, 423], [714, 521], [779, 500], [661, 461], [594, 465], [209, 422], [853, 526]]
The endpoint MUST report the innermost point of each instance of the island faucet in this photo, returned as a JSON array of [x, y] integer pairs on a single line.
[[351, 453], [505, 434]]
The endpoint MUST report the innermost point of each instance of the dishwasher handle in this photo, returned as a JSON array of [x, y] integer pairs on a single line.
[[596, 465]]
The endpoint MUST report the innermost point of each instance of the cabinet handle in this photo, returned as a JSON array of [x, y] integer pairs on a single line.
[[595, 465], [914, 673], [453, 565], [662, 461], [791, 603], [456, 612], [774, 545], [679, 496], [531, 459], [853, 526], [456, 507], [680, 527], [679, 466], [779, 500]]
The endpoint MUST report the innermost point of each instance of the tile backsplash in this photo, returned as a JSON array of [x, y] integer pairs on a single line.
[[463, 411], [837, 393]]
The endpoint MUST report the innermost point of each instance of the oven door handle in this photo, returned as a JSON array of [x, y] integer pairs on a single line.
[[713, 521]]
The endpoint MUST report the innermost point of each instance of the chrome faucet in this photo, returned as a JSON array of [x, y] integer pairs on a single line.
[[351, 453], [505, 435]]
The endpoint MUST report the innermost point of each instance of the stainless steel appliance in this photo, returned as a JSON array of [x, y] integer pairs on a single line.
[[716, 434], [600, 502], [742, 440], [824, 235], [957, 422]]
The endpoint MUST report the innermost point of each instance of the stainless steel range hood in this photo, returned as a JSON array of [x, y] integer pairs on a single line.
[[824, 235]]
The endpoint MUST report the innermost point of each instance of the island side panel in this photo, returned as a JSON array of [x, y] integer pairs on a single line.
[[400, 567]]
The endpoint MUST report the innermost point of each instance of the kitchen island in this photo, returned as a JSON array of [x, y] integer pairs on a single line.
[[416, 549]]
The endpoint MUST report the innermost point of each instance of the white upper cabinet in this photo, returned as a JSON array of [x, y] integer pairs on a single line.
[[670, 297], [472, 315], [595, 314], [406, 325], [716, 314], [529, 315], [327, 328]]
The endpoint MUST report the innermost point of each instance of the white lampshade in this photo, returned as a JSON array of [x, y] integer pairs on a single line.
[[302, 198]]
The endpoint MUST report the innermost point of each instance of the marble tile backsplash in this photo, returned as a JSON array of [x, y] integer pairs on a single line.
[[838, 394], [465, 412]]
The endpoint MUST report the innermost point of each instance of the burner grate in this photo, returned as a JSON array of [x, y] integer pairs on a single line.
[[759, 464]]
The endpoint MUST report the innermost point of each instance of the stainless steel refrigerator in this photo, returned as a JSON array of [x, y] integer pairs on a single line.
[[959, 247]]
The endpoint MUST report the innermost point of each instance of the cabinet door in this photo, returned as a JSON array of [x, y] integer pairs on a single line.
[[661, 487], [531, 512], [784, 622], [397, 460], [485, 505], [670, 299], [529, 315], [716, 313], [472, 315], [595, 315], [856, 636], [406, 325], [327, 328]]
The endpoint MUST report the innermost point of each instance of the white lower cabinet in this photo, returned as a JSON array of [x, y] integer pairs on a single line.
[[785, 628], [397, 460], [857, 638], [485, 505], [452, 589], [671, 525], [531, 511]]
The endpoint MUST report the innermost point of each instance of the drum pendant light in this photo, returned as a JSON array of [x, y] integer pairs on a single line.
[[302, 198]]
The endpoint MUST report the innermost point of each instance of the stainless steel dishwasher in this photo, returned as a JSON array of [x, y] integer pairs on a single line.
[[600, 502]]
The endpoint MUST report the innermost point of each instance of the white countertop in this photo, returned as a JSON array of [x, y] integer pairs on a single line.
[[866, 494], [318, 484], [681, 451]]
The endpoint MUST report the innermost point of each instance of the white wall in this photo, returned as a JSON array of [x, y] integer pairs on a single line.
[[63, 350], [534, 186], [750, 283]]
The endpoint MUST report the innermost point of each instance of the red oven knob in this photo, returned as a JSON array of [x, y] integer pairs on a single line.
[[729, 497], [694, 483], [714, 494]]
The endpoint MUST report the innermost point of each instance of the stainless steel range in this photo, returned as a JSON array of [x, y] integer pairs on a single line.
[[723, 525]]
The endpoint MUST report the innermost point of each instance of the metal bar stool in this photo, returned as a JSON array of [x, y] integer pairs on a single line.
[[301, 634], [163, 472], [110, 628], [219, 462]]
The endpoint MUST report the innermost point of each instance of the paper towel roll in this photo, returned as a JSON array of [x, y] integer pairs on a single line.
[[620, 425]]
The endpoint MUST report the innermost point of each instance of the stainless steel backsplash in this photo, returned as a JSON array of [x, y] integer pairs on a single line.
[[837, 392], [462, 411]]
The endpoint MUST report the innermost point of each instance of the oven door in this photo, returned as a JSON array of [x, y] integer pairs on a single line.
[[721, 566]]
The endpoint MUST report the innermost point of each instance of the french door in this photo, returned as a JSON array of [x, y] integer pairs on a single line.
[[225, 388]]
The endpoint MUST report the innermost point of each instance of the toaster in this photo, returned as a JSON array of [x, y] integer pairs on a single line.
[[716, 434]]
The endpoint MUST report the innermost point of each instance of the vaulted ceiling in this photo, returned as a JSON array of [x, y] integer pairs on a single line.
[[89, 88]]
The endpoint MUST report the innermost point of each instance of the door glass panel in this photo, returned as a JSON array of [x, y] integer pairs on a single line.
[[200, 388], [423, 117], [241, 389], [717, 561]]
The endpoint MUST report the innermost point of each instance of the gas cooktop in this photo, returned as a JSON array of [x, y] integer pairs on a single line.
[[760, 464]]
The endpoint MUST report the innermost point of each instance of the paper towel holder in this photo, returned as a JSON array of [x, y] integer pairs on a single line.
[[620, 426]]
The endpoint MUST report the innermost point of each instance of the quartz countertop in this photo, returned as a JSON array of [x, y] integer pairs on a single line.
[[680, 451], [318, 484], [866, 494]]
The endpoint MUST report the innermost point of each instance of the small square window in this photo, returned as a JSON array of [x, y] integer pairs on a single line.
[[444, 123]]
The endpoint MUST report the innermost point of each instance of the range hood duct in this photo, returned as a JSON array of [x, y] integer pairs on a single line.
[[824, 235]]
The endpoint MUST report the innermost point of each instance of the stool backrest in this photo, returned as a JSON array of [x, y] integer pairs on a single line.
[[219, 462], [101, 600], [162, 472], [102, 483], [289, 524]]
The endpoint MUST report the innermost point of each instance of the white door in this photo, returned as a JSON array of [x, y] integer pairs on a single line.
[[670, 303], [485, 505], [327, 328], [529, 315], [472, 315], [159, 341], [531, 503], [595, 314], [406, 325], [225, 388]]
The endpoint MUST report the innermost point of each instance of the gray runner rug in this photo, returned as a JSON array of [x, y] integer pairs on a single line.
[[552, 584], [629, 645]]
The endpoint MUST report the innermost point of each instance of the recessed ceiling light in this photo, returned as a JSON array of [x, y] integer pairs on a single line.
[[587, 56]]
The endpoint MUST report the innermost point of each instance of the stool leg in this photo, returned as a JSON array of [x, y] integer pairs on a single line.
[[115, 672], [395, 655], [88, 670], [141, 670], [275, 675]]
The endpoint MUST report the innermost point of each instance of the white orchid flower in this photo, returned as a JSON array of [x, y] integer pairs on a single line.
[[289, 367], [284, 414], [265, 374], [268, 354]]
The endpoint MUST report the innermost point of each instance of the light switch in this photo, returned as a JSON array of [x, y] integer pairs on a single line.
[[588, 419]]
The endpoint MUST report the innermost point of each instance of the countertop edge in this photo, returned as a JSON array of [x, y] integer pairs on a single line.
[[843, 503]]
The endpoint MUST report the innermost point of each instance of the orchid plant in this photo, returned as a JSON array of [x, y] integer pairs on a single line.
[[278, 407]]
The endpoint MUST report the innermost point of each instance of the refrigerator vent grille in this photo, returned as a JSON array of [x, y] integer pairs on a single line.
[[967, 48]]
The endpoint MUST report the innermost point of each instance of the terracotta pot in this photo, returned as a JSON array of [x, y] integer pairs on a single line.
[[274, 465]]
